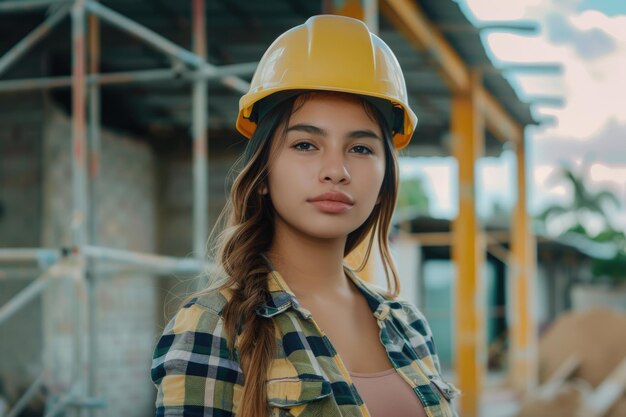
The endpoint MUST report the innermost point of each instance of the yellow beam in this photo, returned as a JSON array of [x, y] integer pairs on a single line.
[[409, 18], [468, 253], [496, 249], [429, 238], [365, 10], [497, 237], [523, 355], [498, 121]]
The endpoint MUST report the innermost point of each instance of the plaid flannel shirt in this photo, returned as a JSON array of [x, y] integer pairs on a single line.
[[197, 375]]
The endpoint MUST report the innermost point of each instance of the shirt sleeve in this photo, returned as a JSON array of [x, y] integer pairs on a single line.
[[192, 368]]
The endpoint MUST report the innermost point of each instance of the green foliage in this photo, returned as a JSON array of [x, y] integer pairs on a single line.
[[412, 194], [614, 269], [611, 235], [578, 228]]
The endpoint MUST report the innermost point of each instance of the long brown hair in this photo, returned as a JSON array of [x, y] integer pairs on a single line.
[[248, 233]]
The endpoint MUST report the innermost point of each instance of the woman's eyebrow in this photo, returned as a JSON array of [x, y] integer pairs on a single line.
[[301, 127], [358, 134], [307, 128]]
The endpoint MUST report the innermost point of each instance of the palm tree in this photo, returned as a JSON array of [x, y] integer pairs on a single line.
[[584, 201]]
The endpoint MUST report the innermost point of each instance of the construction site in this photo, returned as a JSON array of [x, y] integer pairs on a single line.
[[117, 138]]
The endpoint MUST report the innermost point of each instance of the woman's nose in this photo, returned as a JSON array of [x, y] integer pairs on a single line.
[[334, 168]]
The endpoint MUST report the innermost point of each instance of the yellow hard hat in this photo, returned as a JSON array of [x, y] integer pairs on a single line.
[[331, 53]]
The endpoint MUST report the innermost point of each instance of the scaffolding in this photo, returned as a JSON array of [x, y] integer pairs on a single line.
[[76, 262]]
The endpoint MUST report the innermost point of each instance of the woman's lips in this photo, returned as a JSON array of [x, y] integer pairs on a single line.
[[332, 202], [331, 206]]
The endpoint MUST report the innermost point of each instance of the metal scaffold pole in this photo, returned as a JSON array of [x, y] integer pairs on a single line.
[[199, 132], [226, 74], [29, 5], [31, 39], [94, 177], [79, 221]]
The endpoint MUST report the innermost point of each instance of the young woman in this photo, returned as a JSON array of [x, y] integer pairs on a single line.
[[287, 329]]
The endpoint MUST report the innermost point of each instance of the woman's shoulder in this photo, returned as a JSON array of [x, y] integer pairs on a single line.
[[214, 300], [200, 313], [194, 343], [194, 327]]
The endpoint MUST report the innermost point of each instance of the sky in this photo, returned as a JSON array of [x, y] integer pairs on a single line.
[[588, 39]]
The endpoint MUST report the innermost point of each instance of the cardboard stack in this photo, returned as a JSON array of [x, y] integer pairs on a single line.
[[582, 367]]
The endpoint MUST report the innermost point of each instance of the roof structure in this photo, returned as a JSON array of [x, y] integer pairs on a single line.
[[238, 32]]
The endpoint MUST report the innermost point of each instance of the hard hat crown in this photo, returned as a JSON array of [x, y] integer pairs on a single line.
[[331, 53]]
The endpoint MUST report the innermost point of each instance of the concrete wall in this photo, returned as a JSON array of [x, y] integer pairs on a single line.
[[559, 286], [597, 296]]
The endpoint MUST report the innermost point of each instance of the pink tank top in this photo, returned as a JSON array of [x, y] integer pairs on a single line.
[[386, 394]]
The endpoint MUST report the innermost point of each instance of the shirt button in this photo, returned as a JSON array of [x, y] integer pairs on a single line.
[[382, 314]]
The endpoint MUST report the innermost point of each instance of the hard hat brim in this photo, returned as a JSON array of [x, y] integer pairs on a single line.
[[247, 125]]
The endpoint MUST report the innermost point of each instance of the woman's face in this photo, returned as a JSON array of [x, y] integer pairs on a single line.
[[325, 176]]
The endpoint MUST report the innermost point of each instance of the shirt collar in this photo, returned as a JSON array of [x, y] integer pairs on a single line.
[[282, 298], [379, 303]]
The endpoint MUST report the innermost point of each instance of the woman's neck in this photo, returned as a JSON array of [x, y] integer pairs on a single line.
[[310, 266]]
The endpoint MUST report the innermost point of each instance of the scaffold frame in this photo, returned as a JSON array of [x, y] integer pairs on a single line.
[[74, 262]]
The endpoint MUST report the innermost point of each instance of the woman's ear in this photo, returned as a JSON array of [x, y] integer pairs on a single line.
[[263, 190]]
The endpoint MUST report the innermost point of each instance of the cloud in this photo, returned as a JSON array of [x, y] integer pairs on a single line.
[[606, 146], [589, 44], [593, 89], [588, 37], [499, 10]]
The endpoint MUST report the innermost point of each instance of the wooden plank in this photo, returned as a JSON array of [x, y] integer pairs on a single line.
[[408, 18], [558, 378], [597, 403]]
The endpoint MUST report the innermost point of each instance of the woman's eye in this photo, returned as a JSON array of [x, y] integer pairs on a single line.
[[303, 146], [362, 149]]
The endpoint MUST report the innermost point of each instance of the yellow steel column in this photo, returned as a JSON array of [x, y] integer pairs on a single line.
[[468, 251], [523, 357], [367, 11]]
